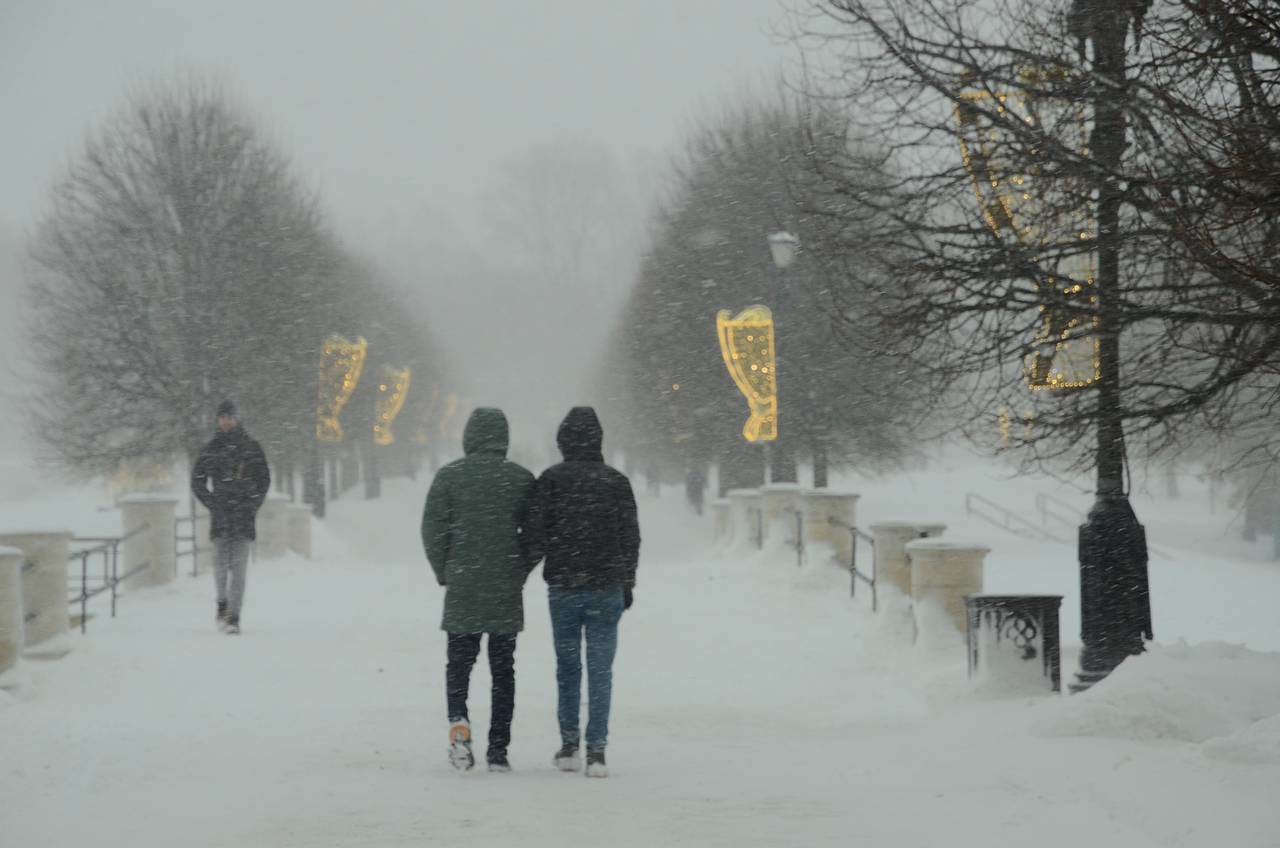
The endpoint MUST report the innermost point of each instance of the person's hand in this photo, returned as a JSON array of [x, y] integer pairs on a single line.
[[627, 598]]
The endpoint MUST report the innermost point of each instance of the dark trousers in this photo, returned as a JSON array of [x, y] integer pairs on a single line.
[[463, 650]]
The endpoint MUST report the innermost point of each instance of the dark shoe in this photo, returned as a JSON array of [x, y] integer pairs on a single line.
[[566, 759], [498, 762], [221, 618], [233, 626], [595, 764]]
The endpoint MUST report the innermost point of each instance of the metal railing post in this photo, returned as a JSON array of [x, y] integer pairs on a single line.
[[799, 539], [84, 591], [115, 575], [853, 562]]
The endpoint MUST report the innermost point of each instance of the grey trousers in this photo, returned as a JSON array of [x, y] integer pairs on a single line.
[[230, 562]]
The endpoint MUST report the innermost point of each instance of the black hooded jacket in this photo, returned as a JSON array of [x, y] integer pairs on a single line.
[[586, 513], [237, 468]]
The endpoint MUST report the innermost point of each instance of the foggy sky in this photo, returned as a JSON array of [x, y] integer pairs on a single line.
[[396, 111]]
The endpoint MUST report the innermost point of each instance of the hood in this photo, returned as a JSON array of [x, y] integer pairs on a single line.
[[486, 432], [581, 437]]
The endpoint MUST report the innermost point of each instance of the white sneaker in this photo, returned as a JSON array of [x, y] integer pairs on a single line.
[[595, 764], [460, 756]]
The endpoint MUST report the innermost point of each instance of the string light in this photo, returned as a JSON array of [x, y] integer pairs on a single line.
[[391, 394], [341, 363], [747, 346], [1067, 353]]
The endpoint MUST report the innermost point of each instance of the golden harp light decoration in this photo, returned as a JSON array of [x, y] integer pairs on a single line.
[[341, 363], [1029, 199], [747, 345], [391, 394]]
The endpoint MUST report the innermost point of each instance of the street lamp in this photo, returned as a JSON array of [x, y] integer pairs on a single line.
[[1115, 603], [1115, 598], [783, 246]]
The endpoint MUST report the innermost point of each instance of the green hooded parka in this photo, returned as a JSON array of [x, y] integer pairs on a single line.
[[471, 529]]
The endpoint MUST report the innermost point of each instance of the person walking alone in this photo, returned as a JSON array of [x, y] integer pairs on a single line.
[[237, 469], [471, 529], [585, 517]]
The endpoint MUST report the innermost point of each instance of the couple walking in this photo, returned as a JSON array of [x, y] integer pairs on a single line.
[[486, 526]]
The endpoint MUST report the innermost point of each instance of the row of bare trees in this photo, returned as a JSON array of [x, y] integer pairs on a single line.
[[182, 260], [744, 176]]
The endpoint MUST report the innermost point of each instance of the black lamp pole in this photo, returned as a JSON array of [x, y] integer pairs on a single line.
[[1115, 600], [780, 455]]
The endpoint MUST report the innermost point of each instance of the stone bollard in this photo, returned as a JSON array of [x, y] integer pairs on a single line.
[[11, 560], [943, 572], [893, 568], [746, 517], [300, 529], [722, 520], [272, 528], [781, 502], [150, 556], [46, 617], [828, 515]]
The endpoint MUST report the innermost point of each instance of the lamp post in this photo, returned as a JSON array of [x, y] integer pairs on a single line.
[[1115, 601], [780, 466]]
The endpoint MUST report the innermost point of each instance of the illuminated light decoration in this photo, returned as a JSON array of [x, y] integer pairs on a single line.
[[1005, 424], [1020, 203], [747, 345], [391, 394], [341, 363]]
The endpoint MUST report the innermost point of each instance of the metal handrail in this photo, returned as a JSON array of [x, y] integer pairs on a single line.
[[1008, 519], [854, 574], [109, 548], [1046, 505]]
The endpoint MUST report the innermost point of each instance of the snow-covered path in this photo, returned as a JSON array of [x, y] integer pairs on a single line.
[[755, 704]]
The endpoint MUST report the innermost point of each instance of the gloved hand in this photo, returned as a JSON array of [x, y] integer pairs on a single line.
[[627, 598]]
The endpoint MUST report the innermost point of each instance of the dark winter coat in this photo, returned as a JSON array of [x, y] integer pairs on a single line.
[[471, 528], [237, 468], [585, 513]]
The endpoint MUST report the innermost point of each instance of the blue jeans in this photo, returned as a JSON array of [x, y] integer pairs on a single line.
[[595, 614]]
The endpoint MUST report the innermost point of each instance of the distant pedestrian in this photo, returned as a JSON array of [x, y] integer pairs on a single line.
[[585, 517], [471, 529], [237, 469]]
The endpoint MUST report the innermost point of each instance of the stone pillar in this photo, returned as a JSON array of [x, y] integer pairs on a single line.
[[744, 509], [943, 572], [299, 517], [272, 528], [722, 519], [11, 560], [44, 589], [781, 502], [153, 547], [893, 568], [821, 506]]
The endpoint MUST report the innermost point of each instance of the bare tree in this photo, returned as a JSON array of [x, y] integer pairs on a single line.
[[180, 261]]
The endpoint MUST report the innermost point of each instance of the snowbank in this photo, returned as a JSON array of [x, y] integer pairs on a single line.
[[1223, 697]]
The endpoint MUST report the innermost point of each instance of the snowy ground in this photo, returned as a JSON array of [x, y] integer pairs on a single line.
[[755, 703]]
